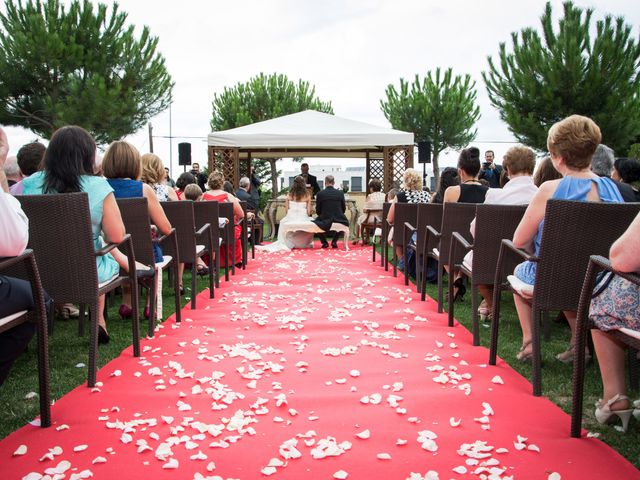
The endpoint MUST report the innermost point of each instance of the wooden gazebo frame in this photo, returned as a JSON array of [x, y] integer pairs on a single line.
[[385, 163]]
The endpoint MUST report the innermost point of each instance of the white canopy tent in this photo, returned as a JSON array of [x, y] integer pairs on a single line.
[[313, 134]]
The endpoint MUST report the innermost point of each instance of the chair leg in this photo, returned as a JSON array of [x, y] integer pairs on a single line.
[[632, 358], [43, 367], [474, 313], [450, 305], [440, 288], [82, 307], [135, 320], [176, 292], [211, 278], [151, 295], [93, 344], [578, 377], [495, 323], [194, 271], [537, 352], [546, 325]]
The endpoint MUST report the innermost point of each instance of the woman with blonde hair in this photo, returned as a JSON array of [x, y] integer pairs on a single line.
[[571, 143], [411, 192], [154, 175]]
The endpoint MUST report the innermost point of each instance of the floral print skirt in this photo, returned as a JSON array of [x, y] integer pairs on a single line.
[[618, 306]]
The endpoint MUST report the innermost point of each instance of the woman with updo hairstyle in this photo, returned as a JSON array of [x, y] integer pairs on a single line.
[[122, 167], [470, 189], [627, 170], [215, 182], [183, 180], [154, 175], [571, 143]]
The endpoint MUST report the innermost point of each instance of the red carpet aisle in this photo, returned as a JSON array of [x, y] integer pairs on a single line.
[[309, 365]]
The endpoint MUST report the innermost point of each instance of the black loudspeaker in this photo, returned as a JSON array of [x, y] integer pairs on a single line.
[[424, 152], [184, 154]]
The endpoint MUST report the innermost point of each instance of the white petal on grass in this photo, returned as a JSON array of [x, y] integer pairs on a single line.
[[30, 395]]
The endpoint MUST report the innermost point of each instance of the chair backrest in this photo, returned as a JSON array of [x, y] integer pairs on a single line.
[[404, 212], [208, 212], [62, 240], [226, 211], [456, 217], [181, 217], [135, 216], [493, 223], [428, 214], [572, 232]]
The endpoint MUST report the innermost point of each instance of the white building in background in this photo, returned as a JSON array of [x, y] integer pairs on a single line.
[[354, 178]]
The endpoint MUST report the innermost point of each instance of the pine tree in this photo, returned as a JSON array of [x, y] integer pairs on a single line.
[[571, 69], [439, 108], [78, 65], [262, 98]]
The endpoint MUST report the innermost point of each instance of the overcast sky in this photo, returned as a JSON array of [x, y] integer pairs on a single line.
[[350, 51]]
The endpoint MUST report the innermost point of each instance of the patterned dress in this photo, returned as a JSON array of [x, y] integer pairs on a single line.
[[618, 306]]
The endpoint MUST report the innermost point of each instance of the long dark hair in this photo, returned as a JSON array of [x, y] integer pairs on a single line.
[[70, 154], [298, 190], [448, 178]]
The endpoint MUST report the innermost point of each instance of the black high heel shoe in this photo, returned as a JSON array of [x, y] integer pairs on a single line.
[[459, 284], [103, 336]]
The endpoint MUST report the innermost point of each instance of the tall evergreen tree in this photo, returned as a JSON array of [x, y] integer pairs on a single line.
[[78, 65], [264, 97], [574, 69], [439, 108]]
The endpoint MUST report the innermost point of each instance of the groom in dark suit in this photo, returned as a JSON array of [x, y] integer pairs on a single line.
[[330, 207]]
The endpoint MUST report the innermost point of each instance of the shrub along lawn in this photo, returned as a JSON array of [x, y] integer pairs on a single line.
[[67, 350]]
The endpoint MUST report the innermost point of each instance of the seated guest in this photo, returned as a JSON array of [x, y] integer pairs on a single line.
[[616, 307], [216, 193], [244, 194], [12, 171], [470, 189], [448, 178], [602, 165], [183, 180], [168, 180], [545, 172], [193, 192], [411, 192], [627, 170], [228, 187], [15, 294], [518, 163], [68, 167], [30, 161], [571, 143], [122, 167], [372, 209], [153, 174]]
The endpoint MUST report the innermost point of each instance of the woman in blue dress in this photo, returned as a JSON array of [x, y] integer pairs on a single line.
[[122, 167], [571, 143], [68, 167]]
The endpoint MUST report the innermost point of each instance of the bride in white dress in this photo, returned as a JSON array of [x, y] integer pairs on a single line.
[[296, 229]]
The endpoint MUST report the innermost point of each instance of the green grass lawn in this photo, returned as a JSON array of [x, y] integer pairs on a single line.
[[67, 350]]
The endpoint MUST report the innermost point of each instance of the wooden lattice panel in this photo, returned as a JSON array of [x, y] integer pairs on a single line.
[[396, 161], [376, 170], [231, 166]]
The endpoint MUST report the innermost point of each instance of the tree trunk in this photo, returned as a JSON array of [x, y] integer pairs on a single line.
[[436, 169], [274, 177]]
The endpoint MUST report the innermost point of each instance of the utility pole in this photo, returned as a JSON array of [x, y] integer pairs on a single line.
[[150, 137]]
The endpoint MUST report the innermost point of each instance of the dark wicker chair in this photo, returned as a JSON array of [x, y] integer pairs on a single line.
[[456, 217], [229, 237], [404, 213], [246, 234], [493, 223], [135, 216], [192, 244], [254, 230], [384, 243], [208, 213], [60, 234], [583, 325], [39, 316], [572, 232], [428, 214]]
